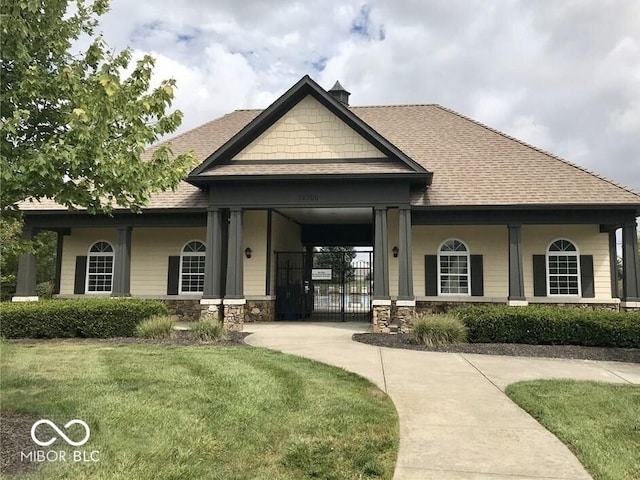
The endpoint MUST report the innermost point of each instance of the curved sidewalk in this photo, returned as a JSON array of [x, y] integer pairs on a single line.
[[455, 420]]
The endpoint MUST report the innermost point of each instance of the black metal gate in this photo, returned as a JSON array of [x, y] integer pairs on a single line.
[[333, 283]]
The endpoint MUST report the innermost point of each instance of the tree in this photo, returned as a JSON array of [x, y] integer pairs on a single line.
[[12, 246], [338, 259], [75, 126]]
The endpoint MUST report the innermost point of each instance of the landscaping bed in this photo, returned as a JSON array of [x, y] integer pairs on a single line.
[[407, 341]]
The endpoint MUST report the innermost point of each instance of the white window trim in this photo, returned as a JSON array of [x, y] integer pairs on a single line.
[[190, 254], [90, 254], [467, 253], [548, 270]]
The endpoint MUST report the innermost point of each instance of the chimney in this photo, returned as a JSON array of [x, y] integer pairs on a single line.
[[339, 93]]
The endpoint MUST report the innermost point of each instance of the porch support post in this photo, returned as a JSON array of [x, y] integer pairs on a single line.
[[381, 302], [613, 263], [234, 300], [235, 256], [58, 277], [405, 268], [630, 277], [213, 256], [122, 263], [380, 256], [26, 279], [516, 276]]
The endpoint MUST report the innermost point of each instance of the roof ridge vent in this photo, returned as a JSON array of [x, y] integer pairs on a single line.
[[340, 93]]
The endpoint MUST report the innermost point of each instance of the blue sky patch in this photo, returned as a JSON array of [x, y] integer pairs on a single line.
[[361, 25]]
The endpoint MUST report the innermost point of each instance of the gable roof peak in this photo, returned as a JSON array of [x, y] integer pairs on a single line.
[[265, 119]]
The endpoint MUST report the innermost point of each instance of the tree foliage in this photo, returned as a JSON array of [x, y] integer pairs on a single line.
[[338, 259], [12, 246], [75, 126]]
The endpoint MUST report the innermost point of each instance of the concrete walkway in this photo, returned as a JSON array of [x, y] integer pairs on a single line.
[[455, 420]]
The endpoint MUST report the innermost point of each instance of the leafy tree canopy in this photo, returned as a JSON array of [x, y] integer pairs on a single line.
[[338, 259], [75, 126]]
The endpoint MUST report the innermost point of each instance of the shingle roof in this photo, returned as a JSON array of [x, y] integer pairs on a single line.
[[472, 164]]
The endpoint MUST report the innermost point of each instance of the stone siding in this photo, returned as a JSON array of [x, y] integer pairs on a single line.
[[583, 306], [259, 311], [381, 318], [234, 317], [211, 312], [404, 318], [183, 310]]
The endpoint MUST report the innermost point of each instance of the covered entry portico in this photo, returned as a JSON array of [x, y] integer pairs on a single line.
[[300, 216]]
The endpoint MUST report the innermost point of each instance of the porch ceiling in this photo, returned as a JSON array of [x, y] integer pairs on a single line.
[[314, 216]]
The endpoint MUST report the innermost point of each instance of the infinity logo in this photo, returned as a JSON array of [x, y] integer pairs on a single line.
[[60, 432]]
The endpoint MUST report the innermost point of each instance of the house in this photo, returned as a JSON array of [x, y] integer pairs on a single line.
[[456, 213]]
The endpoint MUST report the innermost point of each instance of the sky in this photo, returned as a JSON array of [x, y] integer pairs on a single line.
[[563, 76]]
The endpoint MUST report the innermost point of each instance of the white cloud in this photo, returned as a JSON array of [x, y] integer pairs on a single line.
[[564, 76]]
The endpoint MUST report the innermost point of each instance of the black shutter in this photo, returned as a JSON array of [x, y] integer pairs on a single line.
[[586, 276], [431, 275], [81, 275], [477, 276], [173, 275], [540, 275]]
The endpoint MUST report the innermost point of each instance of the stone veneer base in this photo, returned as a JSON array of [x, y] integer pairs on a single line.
[[259, 311], [184, 310], [381, 318], [234, 317]]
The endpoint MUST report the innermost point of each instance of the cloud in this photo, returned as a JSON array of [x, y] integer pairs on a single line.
[[564, 76]]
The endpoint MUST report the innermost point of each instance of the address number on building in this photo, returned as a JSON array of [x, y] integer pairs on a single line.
[[321, 274]]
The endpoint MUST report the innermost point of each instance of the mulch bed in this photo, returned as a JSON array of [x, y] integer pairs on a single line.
[[181, 338], [15, 437], [406, 341]]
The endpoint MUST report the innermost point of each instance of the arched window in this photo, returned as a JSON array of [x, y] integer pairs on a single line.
[[563, 268], [192, 267], [100, 268], [453, 268]]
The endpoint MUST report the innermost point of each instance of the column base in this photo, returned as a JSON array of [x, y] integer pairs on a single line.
[[381, 316], [20, 298], [234, 314], [211, 310], [630, 305], [405, 313], [517, 303]]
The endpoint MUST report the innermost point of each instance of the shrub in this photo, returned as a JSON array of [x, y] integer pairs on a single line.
[[551, 326], [95, 317], [439, 330], [207, 331], [159, 326], [44, 290]]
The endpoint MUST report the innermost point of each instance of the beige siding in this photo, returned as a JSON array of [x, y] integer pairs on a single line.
[[77, 244], [308, 131], [489, 241], [254, 236], [150, 251], [285, 237], [588, 239]]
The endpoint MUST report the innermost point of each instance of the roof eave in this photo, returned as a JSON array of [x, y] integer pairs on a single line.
[[203, 181]]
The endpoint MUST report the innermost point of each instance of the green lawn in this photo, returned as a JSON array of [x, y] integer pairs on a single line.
[[200, 412], [599, 422]]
